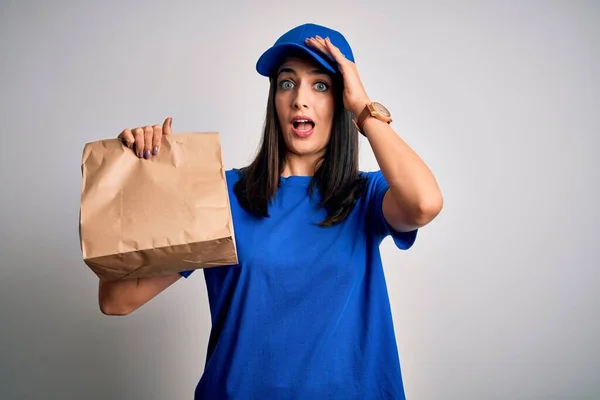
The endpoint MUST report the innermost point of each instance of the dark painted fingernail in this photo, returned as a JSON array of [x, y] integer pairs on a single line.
[[140, 154], [155, 150], [147, 154]]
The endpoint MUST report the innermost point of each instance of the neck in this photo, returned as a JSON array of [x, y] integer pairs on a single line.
[[300, 165]]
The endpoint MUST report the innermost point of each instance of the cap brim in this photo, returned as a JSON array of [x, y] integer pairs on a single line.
[[271, 58]]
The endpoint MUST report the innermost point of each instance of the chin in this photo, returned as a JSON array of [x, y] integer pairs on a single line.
[[305, 145]]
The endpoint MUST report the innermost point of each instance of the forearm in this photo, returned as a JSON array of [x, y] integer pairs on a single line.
[[413, 186], [125, 296]]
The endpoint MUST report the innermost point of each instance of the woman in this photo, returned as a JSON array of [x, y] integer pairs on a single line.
[[306, 313]]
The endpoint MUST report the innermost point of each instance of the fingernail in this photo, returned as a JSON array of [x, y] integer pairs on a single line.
[[155, 150], [140, 154], [147, 154]]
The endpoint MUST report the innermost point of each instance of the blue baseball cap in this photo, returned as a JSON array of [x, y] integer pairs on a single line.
[[294, 41]]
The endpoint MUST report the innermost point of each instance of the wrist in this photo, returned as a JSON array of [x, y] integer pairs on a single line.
[[372, 124], [359, 106], [371, 111]]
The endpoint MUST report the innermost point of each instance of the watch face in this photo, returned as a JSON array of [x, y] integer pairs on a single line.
[[381, 109]]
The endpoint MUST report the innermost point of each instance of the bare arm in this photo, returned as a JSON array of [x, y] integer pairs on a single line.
[[414, 198], [125, 296]]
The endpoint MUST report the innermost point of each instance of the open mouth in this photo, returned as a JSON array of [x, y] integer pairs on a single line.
[[302, 126]]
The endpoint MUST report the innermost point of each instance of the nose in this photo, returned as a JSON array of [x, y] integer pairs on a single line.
[[301, 97]]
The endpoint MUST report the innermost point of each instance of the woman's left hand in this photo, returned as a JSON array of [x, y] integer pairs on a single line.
[[355, 95]]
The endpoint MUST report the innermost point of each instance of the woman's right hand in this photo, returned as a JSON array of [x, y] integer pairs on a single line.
[[146, 141]]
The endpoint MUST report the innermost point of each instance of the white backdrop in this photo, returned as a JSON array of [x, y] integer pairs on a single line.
[[498, 298]]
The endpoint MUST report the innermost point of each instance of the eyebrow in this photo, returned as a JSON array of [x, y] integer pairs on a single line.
[[292, 71]]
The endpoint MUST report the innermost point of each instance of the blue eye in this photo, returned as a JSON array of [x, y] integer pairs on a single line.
[[321, 86], [286, 85]]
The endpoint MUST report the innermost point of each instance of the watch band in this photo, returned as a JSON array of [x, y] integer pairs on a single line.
[[365, 113]]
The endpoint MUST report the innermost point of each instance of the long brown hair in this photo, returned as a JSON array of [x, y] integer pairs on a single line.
[[337, 176]]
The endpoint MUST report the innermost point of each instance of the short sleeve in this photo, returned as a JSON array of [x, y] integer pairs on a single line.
[[377, 187]]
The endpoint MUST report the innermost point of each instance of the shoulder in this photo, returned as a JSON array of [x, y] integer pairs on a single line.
[[371, 175], [232, 176], [375, 186], [374, 180]]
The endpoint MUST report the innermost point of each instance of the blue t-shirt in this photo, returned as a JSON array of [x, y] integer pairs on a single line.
[[305, 314]]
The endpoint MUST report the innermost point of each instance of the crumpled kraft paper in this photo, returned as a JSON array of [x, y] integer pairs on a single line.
[[151, 217]]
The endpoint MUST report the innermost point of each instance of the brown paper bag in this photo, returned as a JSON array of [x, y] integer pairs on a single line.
[[143, 218]]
